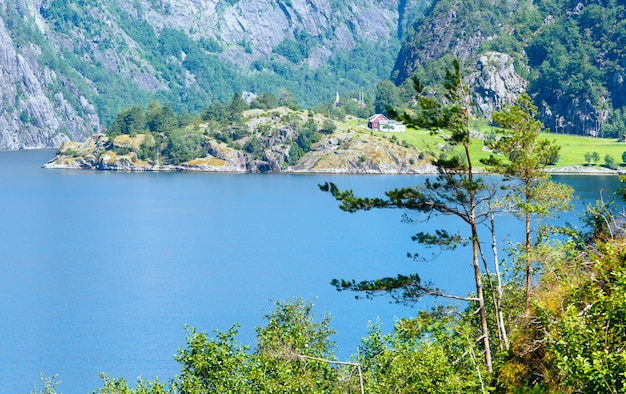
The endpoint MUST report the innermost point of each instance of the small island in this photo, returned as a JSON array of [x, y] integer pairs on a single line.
[[279, 140]]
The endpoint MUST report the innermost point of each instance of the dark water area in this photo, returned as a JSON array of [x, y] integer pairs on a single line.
[[100, 271]]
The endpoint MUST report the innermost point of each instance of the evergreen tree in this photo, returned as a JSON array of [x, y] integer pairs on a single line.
[[457, 191], [160, 118], [525, 157], [386, 96], [129, 121]]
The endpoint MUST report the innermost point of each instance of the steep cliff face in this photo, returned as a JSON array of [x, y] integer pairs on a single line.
[[252, 29], [35, 112], [69, 65], [449, 27], [494, 83]]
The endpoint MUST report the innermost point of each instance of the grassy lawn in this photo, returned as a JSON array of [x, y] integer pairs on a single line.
[[573, 147]]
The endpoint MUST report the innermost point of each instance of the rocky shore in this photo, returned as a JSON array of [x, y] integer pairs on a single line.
[[347, 152]]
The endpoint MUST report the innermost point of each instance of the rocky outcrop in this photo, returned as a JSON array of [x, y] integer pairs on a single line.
[[264, 24], [35, 112], [359, 153], [98, 153], [350, 152], [495, 83], [447, 28]]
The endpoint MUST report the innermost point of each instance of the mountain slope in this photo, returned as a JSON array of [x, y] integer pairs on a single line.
[[570, 52], [69, 66]]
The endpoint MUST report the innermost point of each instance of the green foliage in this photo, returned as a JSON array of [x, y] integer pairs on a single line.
[[430, 354], [49, 384], [119, 386], [609, 162], [292, 332], [525, 156], [236, 106], [328, 127], [569, 52], [264, 101], [386, 96], [253, 146], [215, 112], [160, 118], [130, 121], [184, 145], [616, 126], [587, 341], [166, 138], [599, 219], [306, 135], [149, 148], [595, 156], [217, 364], [286, 99], [297, 49]]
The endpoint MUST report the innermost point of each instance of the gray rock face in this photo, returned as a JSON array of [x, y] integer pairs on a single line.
[[264, 24], [33, 114], [495, 83]]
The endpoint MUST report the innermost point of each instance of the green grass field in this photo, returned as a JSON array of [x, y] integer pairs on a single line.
[[573, 147]]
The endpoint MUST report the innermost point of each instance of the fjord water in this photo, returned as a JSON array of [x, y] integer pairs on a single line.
[[100, 271]]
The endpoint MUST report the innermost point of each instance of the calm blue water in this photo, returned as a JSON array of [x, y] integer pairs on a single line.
[[99, 271]]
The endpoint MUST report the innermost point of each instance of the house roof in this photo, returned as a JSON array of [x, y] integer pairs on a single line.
[[377, 116]]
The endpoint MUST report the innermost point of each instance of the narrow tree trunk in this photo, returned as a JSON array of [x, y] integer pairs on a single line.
[[528, 264], [481, 299], [498, 303], [475, 243]]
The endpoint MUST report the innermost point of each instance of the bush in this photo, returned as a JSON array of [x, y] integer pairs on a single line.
[[609, 161]]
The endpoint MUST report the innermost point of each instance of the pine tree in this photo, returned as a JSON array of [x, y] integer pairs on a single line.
[[524, 157], [458, 191]]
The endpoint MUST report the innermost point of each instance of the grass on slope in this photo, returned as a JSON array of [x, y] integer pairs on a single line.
[[573, 147]]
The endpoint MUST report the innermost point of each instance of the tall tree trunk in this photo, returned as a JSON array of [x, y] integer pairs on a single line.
[[527, 250], [498, 304], [481, 299], [475, 254]]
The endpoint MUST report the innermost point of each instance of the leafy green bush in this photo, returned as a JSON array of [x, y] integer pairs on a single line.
[[183, 145]]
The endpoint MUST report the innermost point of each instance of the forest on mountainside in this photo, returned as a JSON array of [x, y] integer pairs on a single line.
[[73, 65], [570, 52]]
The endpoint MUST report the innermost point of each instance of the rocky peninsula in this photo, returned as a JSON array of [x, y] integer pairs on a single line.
[[347, 150]]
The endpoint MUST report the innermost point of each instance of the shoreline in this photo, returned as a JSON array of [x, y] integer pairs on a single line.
[[426, 170]]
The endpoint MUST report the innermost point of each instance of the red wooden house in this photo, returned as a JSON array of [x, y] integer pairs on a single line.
[[374, 121]]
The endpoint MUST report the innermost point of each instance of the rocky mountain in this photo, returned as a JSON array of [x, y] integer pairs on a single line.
[[494, 83], [69, 66], [567, 54]]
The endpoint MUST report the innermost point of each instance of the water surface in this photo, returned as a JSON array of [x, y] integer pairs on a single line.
[[100, 271]]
